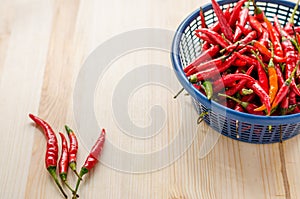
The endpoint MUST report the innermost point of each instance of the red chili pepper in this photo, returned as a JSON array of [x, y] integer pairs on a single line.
[[291, 21], [292, 57], [249, 107], [248, 59], [202, 18], [279, 75], [258, 13], [239, 63], [261, 93], [256, 25], [274, 39], [64, 159], [73, 148], [63, 163], [214, 36], [206, 55], [92, 158], [215, 63], [212, 71], [245, 30], [52, 150], [248, 38], [284, 89], [243, 18], [284, 105], [290, 30], [264, 38], [224, 25], [205, 38], [279, 29], [216, 26], [229, 79], [262, 76], [236, 12], [239, 108], [273, 81], [293, 101], [240, 85]]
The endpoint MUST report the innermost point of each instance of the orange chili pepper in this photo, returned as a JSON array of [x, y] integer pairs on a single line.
[[273, 81], [265, 51]]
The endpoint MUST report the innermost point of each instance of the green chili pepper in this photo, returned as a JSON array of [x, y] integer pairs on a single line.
[[207, 86]]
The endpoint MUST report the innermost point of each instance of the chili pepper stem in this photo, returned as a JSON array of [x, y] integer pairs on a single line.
[[83, 171], [72, 165], [181, 90], [70, 188], [52, 171], [291, 20]]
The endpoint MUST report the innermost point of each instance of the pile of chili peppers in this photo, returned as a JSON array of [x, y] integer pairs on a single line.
[[68, 155], [247, 63]]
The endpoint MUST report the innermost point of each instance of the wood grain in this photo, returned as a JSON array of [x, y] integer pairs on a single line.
[[43, 45]]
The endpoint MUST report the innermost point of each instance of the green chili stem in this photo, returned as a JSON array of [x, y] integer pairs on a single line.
[[52, 171], [181, 90], [72, 165], [83, 171]]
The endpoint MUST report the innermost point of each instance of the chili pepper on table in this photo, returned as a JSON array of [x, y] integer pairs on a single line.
[[243, 17], [92, 158], [63, 163], [73, 148], [52, 150], [284, 89], [249, 107], [224, 25]]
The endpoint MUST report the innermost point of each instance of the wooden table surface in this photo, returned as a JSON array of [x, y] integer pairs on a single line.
[[43, 46]]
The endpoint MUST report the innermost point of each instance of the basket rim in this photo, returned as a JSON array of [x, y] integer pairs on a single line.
[[198, 96]]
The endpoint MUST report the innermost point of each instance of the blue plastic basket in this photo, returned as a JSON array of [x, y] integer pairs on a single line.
[[236, 125]]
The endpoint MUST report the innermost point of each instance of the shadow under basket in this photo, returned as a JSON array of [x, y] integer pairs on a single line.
[[236, 125]]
